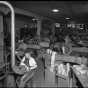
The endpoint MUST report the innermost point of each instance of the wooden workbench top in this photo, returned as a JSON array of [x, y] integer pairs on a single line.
[[64, 58], [82, 78]]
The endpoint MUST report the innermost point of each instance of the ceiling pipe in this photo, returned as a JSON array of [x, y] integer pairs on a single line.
[[12, 33]]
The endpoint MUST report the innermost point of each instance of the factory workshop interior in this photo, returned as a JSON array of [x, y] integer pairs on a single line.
[[43, 44]]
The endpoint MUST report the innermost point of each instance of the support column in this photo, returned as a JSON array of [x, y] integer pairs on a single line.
[[39, 26], [52, 38], [1, 39], [53, 29]]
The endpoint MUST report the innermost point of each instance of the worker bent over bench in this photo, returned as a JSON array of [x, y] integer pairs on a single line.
[[29, 65]]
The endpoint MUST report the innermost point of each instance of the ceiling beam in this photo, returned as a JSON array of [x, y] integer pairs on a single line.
[[27, 13]]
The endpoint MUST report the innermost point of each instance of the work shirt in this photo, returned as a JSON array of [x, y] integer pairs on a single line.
[[28, 63]]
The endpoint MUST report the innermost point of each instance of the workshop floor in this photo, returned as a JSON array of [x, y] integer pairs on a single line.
[[49, 78]]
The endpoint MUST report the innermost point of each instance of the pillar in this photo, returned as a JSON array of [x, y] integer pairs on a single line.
[[1, 40], [53, 29], [39, 26]]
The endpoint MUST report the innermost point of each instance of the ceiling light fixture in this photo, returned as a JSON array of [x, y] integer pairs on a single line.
[[67, 18], [55, 10]]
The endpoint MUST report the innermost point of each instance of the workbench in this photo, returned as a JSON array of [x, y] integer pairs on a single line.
[[72, 60], [83, 79]]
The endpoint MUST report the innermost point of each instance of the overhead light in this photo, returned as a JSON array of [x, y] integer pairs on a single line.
[[55, 10], [67, 18], [57, 24], [33, 19]]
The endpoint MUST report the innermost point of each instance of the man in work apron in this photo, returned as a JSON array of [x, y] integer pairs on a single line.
[[30, 64]]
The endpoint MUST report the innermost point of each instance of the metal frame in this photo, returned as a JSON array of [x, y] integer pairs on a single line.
[[12, 32]]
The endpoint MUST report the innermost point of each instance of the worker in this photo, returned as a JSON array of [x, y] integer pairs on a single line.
[[30, 65], [66, 47]]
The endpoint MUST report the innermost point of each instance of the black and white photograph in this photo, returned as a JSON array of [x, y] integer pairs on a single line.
[[43, 44]]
